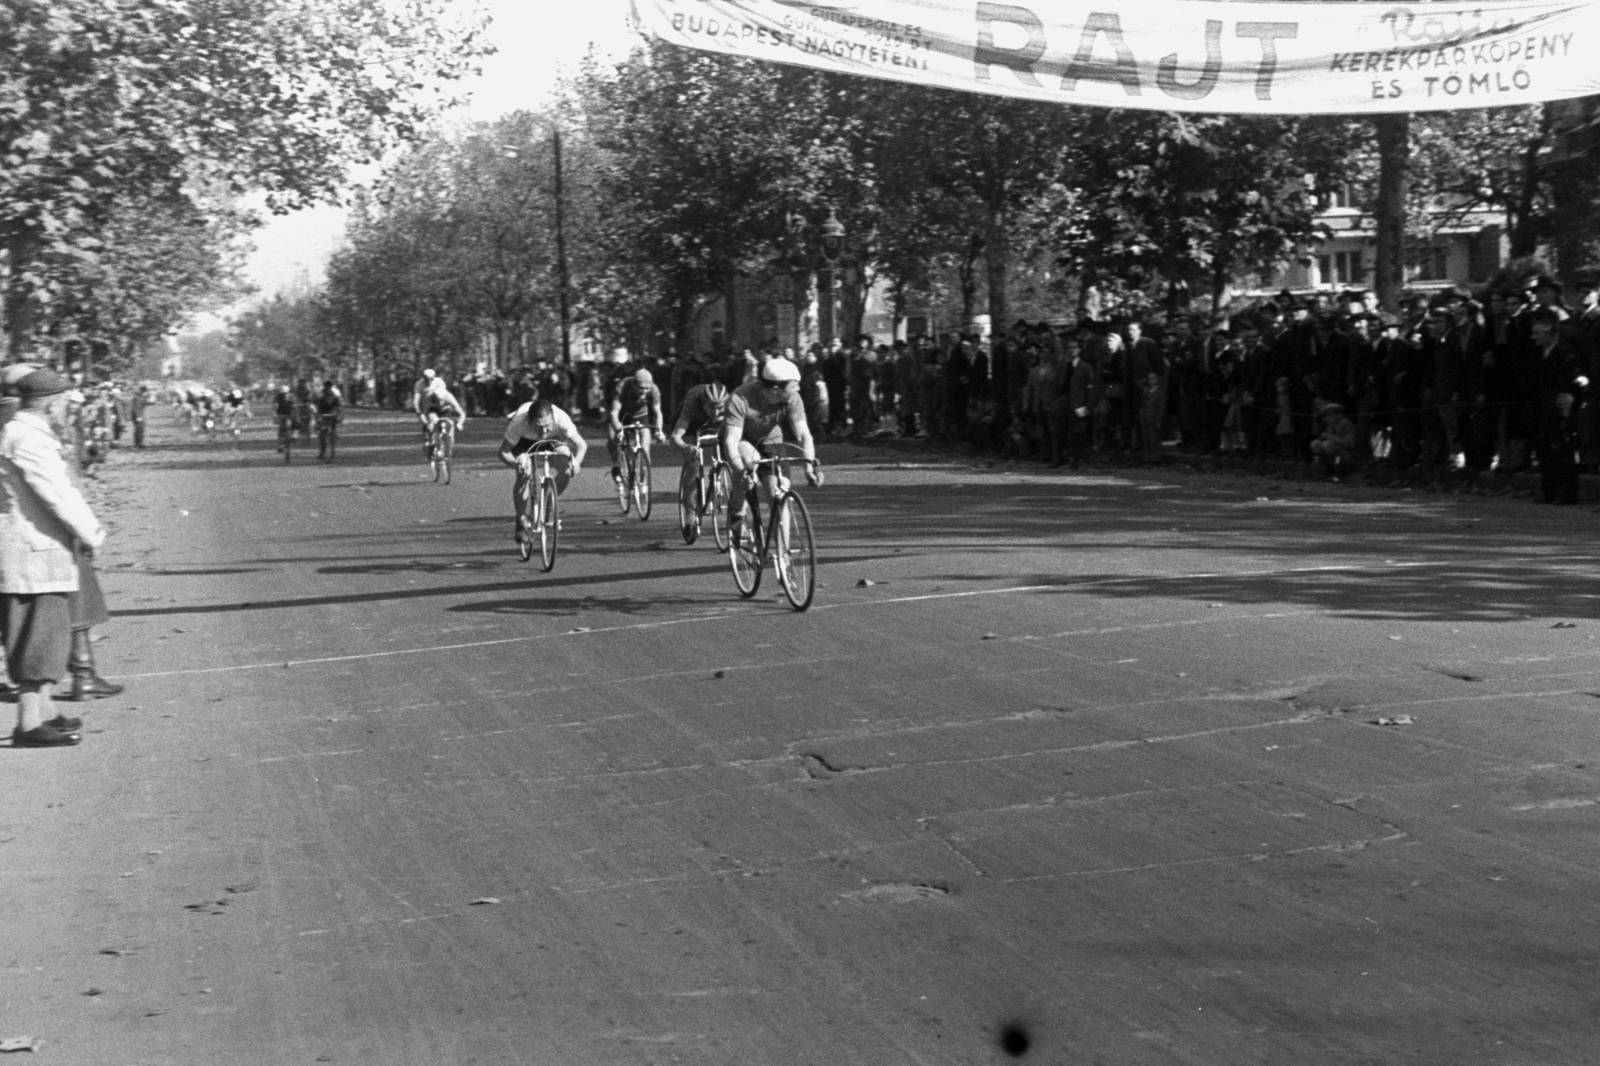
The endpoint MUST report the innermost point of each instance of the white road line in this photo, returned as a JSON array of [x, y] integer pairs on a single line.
[[571, 633], [1010, 590]]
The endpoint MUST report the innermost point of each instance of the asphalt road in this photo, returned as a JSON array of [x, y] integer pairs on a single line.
[[1090, 773]]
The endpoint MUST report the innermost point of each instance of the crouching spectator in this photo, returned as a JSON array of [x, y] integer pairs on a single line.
[[1335, 448], [44, 524]]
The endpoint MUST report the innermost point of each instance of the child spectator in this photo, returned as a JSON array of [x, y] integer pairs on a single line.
[[1152, 412]]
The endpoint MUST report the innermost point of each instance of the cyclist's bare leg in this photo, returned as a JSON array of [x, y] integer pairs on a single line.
[[427, 433], [614, 447]]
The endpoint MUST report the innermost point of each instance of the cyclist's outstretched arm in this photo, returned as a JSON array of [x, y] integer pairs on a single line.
[[580, 448], [808, 447]]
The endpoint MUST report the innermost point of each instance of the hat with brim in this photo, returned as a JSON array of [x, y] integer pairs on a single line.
[[41, 382], [9, 376]]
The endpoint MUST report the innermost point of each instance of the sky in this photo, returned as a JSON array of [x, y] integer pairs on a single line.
[[537, 41]]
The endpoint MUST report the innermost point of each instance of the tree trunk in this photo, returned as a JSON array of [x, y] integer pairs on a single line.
[[997, 261], [684, 323], [16, 302], [968, 271], [1394, 150]]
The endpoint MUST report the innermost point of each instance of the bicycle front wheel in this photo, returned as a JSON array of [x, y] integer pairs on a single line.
[[794, 552], [446, 453], [549, 523], [641, 483], [688, 503], [287, 440], [527, 521], [721, 493], [744, 551], [624, 480]]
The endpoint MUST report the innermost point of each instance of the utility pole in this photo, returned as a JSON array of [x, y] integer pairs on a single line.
[[561, 259]]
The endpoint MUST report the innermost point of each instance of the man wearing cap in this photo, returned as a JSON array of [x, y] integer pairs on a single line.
[[757, 418], [44, 524]]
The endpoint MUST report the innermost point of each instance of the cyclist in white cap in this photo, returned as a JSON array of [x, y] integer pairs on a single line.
[[636, 400], [432, 401], [762, 414]]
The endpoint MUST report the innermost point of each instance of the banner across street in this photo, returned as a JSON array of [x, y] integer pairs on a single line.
[[1171, 55]]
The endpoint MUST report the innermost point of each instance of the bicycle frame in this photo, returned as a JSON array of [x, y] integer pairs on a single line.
[[786, 541], [546, 526]]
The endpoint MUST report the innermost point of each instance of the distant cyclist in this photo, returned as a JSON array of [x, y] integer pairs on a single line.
[[433, 401], [535, 421], [757, 417], [283, 413], [234, 407], [330, 404], [637, 400]]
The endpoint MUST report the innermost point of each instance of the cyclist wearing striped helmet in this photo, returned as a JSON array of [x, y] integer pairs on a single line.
[[701, 412], [762, 414]]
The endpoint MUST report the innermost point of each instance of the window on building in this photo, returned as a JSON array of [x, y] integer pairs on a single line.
[[1429, 264], [1332, 196], [1342, 268]]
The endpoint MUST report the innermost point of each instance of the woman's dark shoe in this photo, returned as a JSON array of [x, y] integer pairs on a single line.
[[65, 724], [43, 736]]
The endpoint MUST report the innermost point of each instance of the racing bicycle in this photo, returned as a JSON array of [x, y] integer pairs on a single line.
[[634, 464], [704, 487], [441, 448], [542, 511], [786, 538]]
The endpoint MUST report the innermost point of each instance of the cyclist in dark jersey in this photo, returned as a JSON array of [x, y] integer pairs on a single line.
[[702, 410], [637, 400]]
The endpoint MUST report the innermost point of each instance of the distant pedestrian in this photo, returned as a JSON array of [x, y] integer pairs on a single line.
[[45, 524]]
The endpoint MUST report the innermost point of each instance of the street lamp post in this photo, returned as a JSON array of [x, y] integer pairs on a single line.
[[832, 249]]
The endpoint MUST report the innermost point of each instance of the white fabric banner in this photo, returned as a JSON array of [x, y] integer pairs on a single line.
[[1232, 56]]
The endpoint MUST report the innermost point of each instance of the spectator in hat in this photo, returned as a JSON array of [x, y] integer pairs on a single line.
[[1547, 295], [45, 524]]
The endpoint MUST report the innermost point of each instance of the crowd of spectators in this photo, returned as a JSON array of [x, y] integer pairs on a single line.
[[1498, 379]]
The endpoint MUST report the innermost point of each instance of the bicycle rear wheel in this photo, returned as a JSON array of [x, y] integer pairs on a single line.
[[333, 439], [794, 552], [688, 503], [721, 492], [744, 552], [641, 483], [549, 523]]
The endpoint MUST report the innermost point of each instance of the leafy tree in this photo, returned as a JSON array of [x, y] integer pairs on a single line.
[[101, 100]]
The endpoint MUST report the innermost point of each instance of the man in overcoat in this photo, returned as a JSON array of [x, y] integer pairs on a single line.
[[44, 524]]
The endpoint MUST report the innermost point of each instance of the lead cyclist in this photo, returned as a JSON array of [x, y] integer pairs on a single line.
[[533, 422], [755, 421]]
